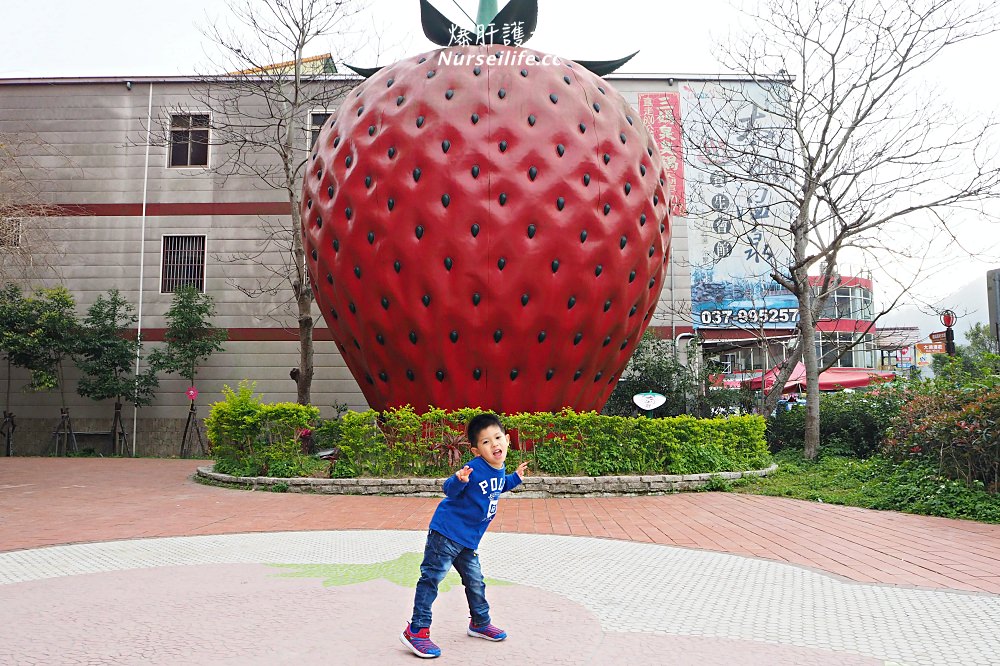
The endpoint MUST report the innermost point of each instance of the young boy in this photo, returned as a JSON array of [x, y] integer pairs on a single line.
[[470, 503]]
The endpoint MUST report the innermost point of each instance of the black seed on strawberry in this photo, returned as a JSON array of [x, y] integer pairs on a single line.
[[448, 263], [475, 171], [497, 335], [632, 311], [541, 336], [420, 121], [445, 200], [392, 152], [319, 174], [524, 299], [426, 300], [597, 107], [333, 313], [416, 175], [560, 203], [349, 161], [656, 200], [319, 221], [571, 302], [531, 120], [642, 169], [477, 373], [475, 118], [422, 61], [453, 336], [598, 270], [368, 182], [566, 79], [336, 141], [629, 119], [336, 245], [400, 100], [379, 339], [631, 277], [583, 128], [621, 137], [388, 84], [607, 208], [449, 94], [577, 338], [503, 146], [607, 158], [502, 198], [397, 266], [440, 375], [309, 204], [315, 255], [549, 374], [561, 149], [533, 173], [555, 265], [353, 308], [623, 345], [367, 376], [583, 235], [554, 98], [531, 231], [652, 249], [642, 220], [476, 298], [602, 90], [652, 281], [329, 278], [391, 203], [586, 179], [385, 303], [524, 72], [650, 151], [607, 305], [663, 228], [622, 242], [502, 93], [477, 71], [446, 145], [383, 376], [348, 213], [513, 374], [576, 375], [419, 231], [371, 130], [475, 230], [413, 337], [357, 272], [410, 375], [628, 188], [598, 376], [501, 262]]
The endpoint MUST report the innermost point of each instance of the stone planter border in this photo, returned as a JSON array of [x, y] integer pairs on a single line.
[[533, 486]]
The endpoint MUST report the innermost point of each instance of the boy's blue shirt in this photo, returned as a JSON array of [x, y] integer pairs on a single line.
[[468, 508]]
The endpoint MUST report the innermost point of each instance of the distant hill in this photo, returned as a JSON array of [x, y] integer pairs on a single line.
[[969, 303]]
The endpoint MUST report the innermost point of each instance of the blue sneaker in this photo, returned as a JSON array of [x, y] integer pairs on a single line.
[[487, 631], [420, 642]]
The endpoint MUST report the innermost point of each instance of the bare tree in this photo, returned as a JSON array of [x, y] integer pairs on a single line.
[[833, 126], [262, 114]]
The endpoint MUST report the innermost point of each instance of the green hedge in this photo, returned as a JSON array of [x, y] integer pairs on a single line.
[[400, 443], [251, 438]]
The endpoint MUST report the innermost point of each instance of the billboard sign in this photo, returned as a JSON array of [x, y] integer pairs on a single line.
[[939, 336], [661, 114], [737, 219]]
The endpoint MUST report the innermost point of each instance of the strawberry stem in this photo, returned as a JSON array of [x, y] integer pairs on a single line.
[[487, 12]]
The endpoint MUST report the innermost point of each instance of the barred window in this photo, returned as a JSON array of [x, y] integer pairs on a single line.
[[10, 233], [316, 121], [182, 263], [189, 140]]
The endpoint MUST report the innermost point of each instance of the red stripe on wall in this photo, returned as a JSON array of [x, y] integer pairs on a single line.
[[248, 334], [168, 209]]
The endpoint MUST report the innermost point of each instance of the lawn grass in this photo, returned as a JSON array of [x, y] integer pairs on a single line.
[[874, 483]]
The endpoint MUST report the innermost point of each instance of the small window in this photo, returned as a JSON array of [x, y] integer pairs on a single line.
[[182, 263], [10, 233], [316, 121], [189, 141]]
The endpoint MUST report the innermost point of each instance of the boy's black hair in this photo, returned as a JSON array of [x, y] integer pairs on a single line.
[[480, 422]]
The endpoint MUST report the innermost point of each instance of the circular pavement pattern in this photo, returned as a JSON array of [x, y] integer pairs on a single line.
[[343, 597]]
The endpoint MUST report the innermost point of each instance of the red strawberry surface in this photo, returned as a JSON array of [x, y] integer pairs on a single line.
[[490, 235]]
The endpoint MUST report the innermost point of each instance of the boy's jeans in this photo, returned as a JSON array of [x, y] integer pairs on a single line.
[[440, 554]]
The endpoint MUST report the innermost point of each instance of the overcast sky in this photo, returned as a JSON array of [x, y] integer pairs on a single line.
[[126, 38]]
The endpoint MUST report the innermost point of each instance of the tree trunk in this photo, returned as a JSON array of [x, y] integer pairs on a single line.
[[808, 328], [303, 380], [771, 399]]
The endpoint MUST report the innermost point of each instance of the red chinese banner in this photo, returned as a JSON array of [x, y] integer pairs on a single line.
[[661, 113]]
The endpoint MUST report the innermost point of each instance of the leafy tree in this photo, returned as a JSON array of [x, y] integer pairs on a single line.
[[190, 339], [978, 358], [109, 358]]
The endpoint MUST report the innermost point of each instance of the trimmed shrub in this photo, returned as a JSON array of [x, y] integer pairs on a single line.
[[251, 438]]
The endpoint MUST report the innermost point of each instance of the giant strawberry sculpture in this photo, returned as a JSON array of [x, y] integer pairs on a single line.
[[486, 231]]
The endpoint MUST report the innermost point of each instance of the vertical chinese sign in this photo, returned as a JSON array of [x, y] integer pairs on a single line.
[[737, 222], [661, 114]]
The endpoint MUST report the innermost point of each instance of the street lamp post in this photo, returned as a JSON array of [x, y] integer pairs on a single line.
[[949, 319]]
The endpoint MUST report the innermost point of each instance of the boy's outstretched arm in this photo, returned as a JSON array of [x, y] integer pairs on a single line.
[[458, 482]]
